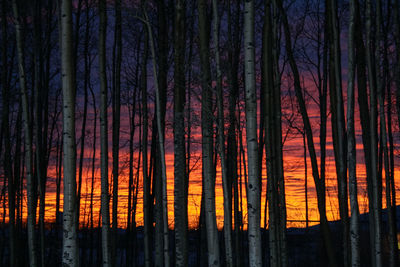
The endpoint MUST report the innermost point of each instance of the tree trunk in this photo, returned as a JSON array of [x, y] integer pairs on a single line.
[[93, 170], [273, 143], [161, 147], [207, 137], [70, 243], [351, 145], [28, 137], [146, 185], [340, 154], [221, 143], [180, 207], [376, 211], [232, 151], [105, 205], [85, 107], [253, 196], [116, 108]]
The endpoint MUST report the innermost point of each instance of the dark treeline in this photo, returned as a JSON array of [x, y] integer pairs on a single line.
[[85, 80]]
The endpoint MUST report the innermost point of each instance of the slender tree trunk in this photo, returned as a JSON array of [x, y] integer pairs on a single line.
[[162, 62], [93, 169], [28, 136], [85, 107], [105, 205], [275, 184], [377, 248], [351, 145], [161, 147], [207, 137], [268, 92], [146, 185], [232, 153], [221, 143], [340, 127], [58, 180], [70, 243], [391, 154], [253, 196], [116, 97], [180, 207]]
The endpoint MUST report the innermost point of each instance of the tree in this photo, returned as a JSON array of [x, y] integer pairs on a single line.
[[160, 145], [253, 188], [180, 207], [116, 111], [146, 185], [232, 150], [105, 205], [351, 145], [207, 137], [221, 143], [376, 211], [27, 134], [273, 142], [70, 243], [338, 121]]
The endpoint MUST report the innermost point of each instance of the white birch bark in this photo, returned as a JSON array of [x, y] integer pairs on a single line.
[[207, 138], [253, 197], [70, 252]]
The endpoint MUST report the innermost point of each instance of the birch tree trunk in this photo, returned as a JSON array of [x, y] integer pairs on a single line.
[[70, 243], [116, 108], [105, 205], [162, 82], [28, 137], [232, 150], [340, 129], [351, 145], [377, 248], [273, 140], [253, 197], [221, 143], [161, 147], [146, 185], [180, 208], [207, 137], [93, 170]]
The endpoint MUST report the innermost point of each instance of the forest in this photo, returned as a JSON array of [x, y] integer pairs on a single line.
[[199, 133]]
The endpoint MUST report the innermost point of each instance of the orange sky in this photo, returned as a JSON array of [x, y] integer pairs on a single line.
[[294, 182], [293, 168]]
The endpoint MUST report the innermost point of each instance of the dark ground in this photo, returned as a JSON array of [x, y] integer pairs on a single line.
[[305, 247]]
